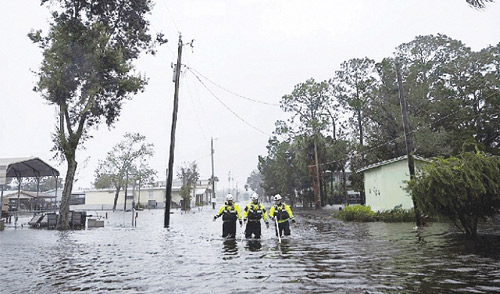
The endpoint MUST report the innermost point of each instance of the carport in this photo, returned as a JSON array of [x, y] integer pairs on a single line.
[[27, 167]]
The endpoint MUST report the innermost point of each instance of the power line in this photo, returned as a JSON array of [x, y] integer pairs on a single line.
[[171, 17], [195, 112], [227, 107], [229, 91], [166, 44]]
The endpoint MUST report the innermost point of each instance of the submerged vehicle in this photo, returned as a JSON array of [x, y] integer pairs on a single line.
[[77, 220]]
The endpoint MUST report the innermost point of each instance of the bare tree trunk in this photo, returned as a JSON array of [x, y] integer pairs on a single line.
[[63, 220], [316, 183], [117, 193], [360, 126], [323, 190], [344, 185]]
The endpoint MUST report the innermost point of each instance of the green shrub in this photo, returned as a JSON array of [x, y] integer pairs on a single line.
[[465, 189], [396, 215], [360, 213]]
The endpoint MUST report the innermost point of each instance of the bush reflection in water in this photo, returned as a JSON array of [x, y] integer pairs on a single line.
[[323, 255]]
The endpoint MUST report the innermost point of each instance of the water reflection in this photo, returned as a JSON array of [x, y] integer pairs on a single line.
[[230, 247], [323, 255], [253, 245]]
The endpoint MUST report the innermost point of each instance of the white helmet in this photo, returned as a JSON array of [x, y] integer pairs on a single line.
[[254, 196], [229, 197], [277, 197]]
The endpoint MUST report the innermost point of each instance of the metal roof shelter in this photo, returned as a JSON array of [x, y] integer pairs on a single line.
[[26, 167]]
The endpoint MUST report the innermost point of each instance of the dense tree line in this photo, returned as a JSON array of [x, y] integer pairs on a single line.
[[354, 118]]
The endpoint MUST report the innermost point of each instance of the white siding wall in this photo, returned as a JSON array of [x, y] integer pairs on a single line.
[[384, 186]]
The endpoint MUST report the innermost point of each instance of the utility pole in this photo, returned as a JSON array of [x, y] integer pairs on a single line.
[[213, 177], [408, 138], [168, 193]]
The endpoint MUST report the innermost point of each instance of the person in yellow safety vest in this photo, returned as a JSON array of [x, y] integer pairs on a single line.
[[230, 212], [252, 214], [283, 214]]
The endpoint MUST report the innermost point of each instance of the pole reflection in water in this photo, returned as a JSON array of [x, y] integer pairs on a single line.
[[323, 255]]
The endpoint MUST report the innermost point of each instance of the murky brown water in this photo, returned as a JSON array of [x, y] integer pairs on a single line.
[[323, 255]]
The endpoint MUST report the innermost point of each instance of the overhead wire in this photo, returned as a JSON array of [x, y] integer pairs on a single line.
[[197, 76], [172, 17], [232, 92], [195, 112], [223, 104], [203, 111], [174, 24]]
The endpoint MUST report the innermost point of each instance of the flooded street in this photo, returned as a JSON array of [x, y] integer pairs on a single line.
[[323, 255]]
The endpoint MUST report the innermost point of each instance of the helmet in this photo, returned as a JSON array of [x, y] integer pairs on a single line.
[[277, 197], [229, 197], [254, 196]]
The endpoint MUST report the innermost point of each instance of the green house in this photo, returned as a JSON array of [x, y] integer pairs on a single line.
[[385, 183]]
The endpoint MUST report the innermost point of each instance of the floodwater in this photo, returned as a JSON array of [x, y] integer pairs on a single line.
[[323, 255]]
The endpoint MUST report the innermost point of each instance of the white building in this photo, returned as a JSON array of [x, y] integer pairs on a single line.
[[148, 197], [385, 183], [153, 197]]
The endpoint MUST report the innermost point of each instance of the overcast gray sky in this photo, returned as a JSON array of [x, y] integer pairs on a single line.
[[257, 49]]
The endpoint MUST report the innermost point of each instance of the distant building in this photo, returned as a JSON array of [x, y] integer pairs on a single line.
[[385, 183], [202, 193], [28, 201], [148, 197], [151, 197]]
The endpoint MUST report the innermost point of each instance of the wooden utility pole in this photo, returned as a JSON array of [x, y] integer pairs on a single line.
[[168, 193], [408, 138], [213, 177]]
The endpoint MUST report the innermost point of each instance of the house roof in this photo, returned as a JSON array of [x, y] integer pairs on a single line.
[[389, 161], [27, 167]]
